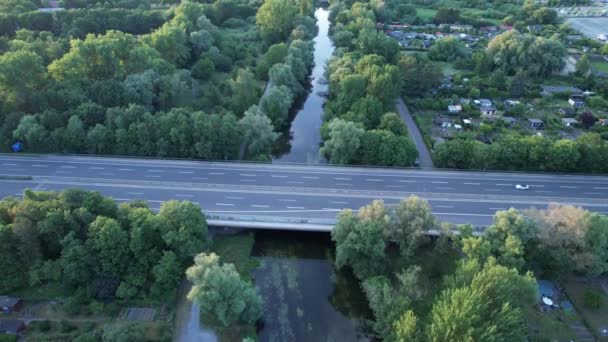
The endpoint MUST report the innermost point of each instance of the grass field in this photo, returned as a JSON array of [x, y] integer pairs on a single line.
[[426, 14], [596, 318], [236, 249], [600, 66]]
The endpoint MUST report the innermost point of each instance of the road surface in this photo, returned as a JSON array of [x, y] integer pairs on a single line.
[[424, 155], [293, 193]]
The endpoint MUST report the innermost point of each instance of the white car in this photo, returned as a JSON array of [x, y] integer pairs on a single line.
[[522, 187]]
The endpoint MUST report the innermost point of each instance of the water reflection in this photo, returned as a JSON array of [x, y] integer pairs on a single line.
[[305, 299], [305, 137]]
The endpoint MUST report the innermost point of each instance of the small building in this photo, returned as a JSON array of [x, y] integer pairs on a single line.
[[602, 122], [487, 111], [442, 121], [454, 109], [10, 304], [536, 124], [509, 120], [483, 102], [567, 111], [511, 103], [570, 122], [11, 326], [576, 102], [553, 90]]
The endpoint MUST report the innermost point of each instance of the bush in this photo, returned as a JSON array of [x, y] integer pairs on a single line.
[[592, 300], [42, 326], [8, 338], [67, 326]]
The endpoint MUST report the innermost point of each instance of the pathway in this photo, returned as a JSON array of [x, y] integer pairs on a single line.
[[424, 155]]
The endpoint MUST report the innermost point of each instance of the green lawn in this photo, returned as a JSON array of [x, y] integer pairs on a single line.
[[426, 14], [600, 66], [548, 326]]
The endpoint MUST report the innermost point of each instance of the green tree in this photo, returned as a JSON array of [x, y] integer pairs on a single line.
[[393, 123], [343, 143], [276, 54], [583, 66], [31, 133], [167, 273], [275, 19], [187, 229], [110, 245], [258, 133], [413, 216], [99, 140], [12, 267], [171, 42], [74, 135], [448, 49], [482, 302], [245, 91], [359, 245], [406, 329], [221, 292], [22, 80], [276, 105]]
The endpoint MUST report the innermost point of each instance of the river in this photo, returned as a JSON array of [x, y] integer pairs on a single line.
[[305, 297], [302, 143]]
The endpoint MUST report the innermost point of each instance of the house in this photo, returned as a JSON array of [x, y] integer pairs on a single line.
[[10, 304], [510, 103], [487, 111], [454, 109], [11, 326], [536, 124], [442, 121], [602, 122], [570, 122], [483, 102], [576, 101], [509, 120], [567, 112], [553, 90]]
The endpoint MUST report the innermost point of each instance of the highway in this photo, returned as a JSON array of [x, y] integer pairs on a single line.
[[294, 193]]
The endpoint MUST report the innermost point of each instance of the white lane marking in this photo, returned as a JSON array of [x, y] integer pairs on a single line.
[[247, 174], [444, 206], [567, 187], [295, 207], [543, 191], [200, 178], [67, 167], [343, 184], [295, 182], [407, 181], [472, 183], [65, 172], [278, 176], [234, 198], [155, 170], [96, 168], [493, 189], [38, 165], [247, 180], [286, 200], [216, 173], [310, 177], [342, 178], [152, 176], [597, 188], [259, 206], [185, 172], [16, 170], [338, 202], [443, 188], [374, 180], [332, 209], [9, 164], [394, 186], [106, 174], [126, 169], [437, 182], [225, 204], [189, 196], [537, 186], [592, 193], [135, 193], [504, 184], [497, 208]]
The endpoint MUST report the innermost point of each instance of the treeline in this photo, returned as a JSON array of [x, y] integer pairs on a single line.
[[484, 284], [80, 22], [588, 153], [364, 82], [119, 93], [95, 249]]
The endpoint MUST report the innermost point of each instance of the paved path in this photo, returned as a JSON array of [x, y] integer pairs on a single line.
[[424, 155]]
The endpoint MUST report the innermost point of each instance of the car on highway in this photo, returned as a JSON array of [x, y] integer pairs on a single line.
[[522, 187]]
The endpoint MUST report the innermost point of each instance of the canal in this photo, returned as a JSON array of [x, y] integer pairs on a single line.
[[302, 142]]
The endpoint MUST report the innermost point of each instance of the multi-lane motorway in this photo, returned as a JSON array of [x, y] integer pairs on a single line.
[[267, 192]]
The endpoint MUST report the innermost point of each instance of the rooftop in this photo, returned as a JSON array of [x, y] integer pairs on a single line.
[[6, 301]]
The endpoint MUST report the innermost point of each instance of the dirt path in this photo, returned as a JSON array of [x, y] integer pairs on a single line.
[[187, 320], [424, 155]]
